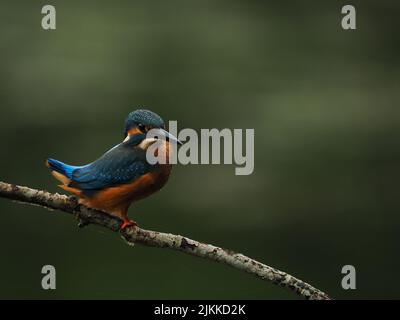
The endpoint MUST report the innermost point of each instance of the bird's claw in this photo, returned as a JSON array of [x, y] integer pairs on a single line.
[[128, 223]]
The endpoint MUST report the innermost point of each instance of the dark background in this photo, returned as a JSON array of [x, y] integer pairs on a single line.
[[324, 105]]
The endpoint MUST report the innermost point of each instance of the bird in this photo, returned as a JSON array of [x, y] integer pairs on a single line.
[[122, 175]]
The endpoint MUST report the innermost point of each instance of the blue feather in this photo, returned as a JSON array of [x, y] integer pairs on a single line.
[[121, 164], [63, 168]]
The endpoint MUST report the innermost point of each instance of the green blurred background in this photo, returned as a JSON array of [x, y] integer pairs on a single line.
[[324, 105]]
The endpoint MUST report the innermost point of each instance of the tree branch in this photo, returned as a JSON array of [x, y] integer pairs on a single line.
[[150, 238]]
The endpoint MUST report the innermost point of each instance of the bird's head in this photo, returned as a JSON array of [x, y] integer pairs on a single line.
[[141, 122]]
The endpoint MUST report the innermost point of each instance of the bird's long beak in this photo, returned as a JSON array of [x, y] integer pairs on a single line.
[[165, 135]]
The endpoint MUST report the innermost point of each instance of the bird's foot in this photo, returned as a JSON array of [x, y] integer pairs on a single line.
[[128, 223]]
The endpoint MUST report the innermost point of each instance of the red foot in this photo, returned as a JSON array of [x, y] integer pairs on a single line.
[[127, 223]]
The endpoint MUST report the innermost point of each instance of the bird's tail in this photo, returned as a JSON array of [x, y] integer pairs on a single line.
[[60, 170], [63, 173]]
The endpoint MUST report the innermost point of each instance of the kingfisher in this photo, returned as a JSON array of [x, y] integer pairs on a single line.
[[122, 175]]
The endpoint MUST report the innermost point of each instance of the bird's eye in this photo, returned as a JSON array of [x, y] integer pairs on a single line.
[[142, 127]]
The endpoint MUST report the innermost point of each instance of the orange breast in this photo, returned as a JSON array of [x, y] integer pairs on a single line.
[[117, 199]]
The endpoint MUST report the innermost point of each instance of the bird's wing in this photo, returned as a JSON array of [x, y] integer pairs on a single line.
[[121, 164]]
